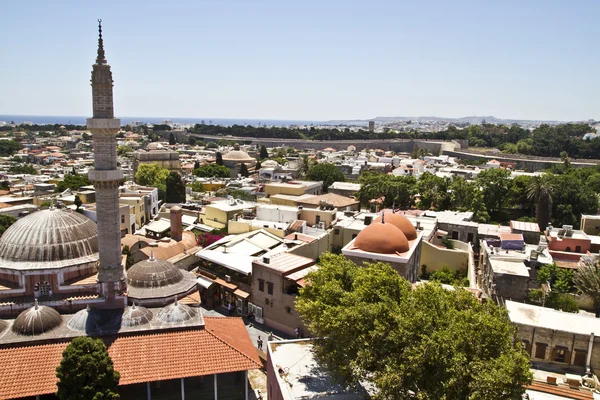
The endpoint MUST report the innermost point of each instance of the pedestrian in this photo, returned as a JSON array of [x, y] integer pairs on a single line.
[[259, 343], [270, 336], [230, 308], [297, 333]]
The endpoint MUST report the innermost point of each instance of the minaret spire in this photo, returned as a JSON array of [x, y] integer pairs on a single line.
[[101, 59]]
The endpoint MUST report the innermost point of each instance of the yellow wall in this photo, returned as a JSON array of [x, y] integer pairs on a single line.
[[293, 190], [590, 226], [139, 208], [213, 186], [310, 216], [282, 202], [435, 258]]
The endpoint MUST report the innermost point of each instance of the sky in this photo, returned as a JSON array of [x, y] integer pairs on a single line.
[[306, 59]]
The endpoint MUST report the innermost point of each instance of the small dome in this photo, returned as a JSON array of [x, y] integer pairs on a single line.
[[238, 155], [36, 320], [94, 320], [155, 146], [153, 273], [136, 316], [51, 238], [270, 163], [383, 238], [402, 223], [176, 313]]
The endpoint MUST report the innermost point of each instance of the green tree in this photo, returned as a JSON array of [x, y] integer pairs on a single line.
[[244, 170], [129, 259], [304, 164], [172, 140], [325, 172], [198, 187], [73, 182], [5, 222], [153, 175], [123, 150], [258, 165], [495, 185], [540, 190], [467, 196], [587, 280], [86, 372], [9, 147], [219, 159], [263, 152], [212, 170], [175, 188], [424, 343], [22, 169], [433, 191], [191, 140]]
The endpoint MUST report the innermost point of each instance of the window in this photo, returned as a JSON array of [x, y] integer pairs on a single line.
[[354, 235], [455, 235], [578, 249], [560, 354], [568, 248], [270, 287], [337, 231], [266, 301], [317, 219], [470, 237], [122, 219], [540, 350], [44, 288], [261, 285]]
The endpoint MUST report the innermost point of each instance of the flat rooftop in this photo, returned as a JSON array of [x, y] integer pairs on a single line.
[[509, 267], [300, 376], [542, 317]]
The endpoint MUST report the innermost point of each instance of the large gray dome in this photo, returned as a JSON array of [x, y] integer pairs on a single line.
[[49, 239], [154, 279], [36, 320]]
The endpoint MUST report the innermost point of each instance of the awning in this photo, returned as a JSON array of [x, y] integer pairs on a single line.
[[204, 282], [240, 293], [226, 284]]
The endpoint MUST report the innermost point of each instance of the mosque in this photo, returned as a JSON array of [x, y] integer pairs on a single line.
[[63, 276]]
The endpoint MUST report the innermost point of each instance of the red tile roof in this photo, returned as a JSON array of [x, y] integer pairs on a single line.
[[223, 346]]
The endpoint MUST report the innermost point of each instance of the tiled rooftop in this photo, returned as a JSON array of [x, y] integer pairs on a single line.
[[223, 346]]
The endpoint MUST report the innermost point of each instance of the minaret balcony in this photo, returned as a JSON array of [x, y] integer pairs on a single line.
[[104, 125]]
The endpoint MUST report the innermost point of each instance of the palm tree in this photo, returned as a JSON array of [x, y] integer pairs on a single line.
[[304, 164], [587, 279], [540, 190]]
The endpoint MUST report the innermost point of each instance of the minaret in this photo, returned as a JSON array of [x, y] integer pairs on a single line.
[[106, 178]]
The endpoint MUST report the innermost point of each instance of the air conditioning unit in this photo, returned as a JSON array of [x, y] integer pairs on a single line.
[[227, 278]]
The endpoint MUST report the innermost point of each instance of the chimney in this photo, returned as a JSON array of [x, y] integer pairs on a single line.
[[176, 225]]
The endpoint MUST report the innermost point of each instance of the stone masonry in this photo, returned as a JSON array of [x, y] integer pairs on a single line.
[[106, 178]]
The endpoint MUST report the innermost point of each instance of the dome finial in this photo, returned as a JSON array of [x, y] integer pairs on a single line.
[[383, 217], [176, 302], [35, 304], [133, 305], [152, 255], [100, 59]]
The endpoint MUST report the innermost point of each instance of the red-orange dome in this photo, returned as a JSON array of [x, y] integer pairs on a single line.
[[382, 238], [402, 223]]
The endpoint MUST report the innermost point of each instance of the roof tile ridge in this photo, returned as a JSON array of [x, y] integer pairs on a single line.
[[211, 331]]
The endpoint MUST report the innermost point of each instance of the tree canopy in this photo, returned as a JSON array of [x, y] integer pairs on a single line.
[[73, 182], [325, 172], [5, 222], [9, 147], [219, 158], [86, 372], [212, 170], [587, 280], [153, 175], [22, 169], [175, 188], [263, 152], [423, 343]]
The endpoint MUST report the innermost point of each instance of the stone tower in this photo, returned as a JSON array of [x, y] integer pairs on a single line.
[[106, 178]]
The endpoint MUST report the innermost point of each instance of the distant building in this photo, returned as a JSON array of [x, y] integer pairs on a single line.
[[371, 126]]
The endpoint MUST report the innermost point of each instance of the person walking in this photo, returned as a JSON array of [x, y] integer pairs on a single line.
[[259, 343], [230, 308], [297, 333]]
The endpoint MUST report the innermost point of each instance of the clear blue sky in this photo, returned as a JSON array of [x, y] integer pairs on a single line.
[[306, 59]]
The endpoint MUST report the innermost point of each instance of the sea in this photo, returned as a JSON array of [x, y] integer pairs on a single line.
[[80, 120]]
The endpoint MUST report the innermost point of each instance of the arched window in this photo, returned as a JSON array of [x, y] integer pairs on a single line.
[[44, 288], [568, 248]]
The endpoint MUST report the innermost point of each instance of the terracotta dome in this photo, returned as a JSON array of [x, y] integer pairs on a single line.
[[47, 239], [402, 223], [36, 320], [383, 238]]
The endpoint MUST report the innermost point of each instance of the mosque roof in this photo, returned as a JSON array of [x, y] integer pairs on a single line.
[[222, 346], [237, 155], [153, 278], [402, 223], [47, 239], [383, 238], [36, 320]]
